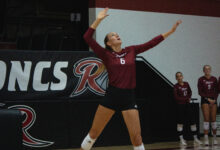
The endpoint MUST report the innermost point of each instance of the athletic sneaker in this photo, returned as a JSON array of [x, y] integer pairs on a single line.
[[206, 142], [197, 141], [214, 141], [183, 143]]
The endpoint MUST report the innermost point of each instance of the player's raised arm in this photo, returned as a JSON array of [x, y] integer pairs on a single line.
[[172, 30], [88, 36], [102, 15], [155, 41]]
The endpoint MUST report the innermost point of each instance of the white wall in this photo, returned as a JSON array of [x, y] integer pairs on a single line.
[[195, 43]]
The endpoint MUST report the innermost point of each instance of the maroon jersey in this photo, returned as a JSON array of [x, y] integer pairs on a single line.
[[120, 65], [182, 93], [208, 88]]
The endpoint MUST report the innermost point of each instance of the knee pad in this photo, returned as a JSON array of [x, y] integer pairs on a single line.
[[87, 143], [193, 128], [179, 127], [214, 125], [206, 125], [141, 147]]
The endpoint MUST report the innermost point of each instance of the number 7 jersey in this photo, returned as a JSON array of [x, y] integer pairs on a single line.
[[120, 66], [208, 88]]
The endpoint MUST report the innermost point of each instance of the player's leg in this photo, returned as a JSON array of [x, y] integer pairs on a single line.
[[180, 122], [193, 127], [102, 117], [132, 121], [213, 111], [206, 116]]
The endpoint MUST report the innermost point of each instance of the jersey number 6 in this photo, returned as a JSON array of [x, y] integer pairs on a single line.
[[122, 61]]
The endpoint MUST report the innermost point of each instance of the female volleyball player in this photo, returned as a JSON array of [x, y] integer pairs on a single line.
[[208, 90], [182, 95], [120, 64]]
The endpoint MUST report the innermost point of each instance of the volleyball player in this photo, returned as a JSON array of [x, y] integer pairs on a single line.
[[120, 64], [208, 90], [182, 95]]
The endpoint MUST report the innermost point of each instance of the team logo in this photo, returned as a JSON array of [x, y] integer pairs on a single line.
[[30, 118], [89, 78]]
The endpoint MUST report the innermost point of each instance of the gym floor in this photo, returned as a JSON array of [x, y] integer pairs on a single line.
[[161, 146]]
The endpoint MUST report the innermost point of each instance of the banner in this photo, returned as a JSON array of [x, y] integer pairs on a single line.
[[50, 75]]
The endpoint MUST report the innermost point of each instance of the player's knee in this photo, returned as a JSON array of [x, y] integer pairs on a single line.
[[137, 139], [179, 127], [214, 125], [193, 127], [206, 125]]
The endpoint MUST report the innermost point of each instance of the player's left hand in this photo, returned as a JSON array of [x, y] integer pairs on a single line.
[[176, 25]]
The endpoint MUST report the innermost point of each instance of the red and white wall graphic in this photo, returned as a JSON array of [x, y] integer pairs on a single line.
[[30, 118], [85, 69]]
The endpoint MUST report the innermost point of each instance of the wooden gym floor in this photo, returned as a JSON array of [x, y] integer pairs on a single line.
[[161, 146]]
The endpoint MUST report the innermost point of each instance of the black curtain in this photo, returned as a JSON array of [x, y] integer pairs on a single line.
[[2, 14]]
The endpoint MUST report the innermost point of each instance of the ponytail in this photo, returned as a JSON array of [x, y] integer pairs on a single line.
[[107, 47], [100, 69]]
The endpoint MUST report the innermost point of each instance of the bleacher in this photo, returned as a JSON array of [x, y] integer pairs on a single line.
[[34, 25]]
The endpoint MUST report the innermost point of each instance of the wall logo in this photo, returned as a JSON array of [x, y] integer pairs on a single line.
[[30, 118], [85, 69]]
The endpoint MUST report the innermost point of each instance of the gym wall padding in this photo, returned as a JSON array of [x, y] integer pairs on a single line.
[[10, 129]]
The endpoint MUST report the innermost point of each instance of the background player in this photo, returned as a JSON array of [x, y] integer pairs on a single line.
[[182, 95], [208, 90]]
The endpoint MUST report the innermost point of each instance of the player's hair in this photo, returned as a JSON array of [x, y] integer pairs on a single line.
[[102, 68], [106, 45], [206, 66], [178, 73]]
